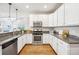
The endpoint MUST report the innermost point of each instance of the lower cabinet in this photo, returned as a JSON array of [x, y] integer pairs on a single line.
[[29, 38], [60, 47], [46, 39], [55, 44], [24, 39], [51, 40], [63, 48], [19, 44]]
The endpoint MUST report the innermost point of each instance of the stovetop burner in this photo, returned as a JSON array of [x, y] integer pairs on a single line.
[[37, 32]]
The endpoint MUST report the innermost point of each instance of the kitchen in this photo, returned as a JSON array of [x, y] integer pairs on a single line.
[[50, 25]]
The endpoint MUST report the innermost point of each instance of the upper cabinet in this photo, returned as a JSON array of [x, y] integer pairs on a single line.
[[66, 15], [39, 17], [61, 15], [45, 20], [51, 20], [72, 14], [55, 19]]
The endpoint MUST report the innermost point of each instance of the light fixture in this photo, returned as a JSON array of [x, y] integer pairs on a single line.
[[45, 6], [10, 10], [27, 6], [16, 13]]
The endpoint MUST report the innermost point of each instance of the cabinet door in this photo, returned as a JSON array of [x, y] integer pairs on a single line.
[[46, 39], [29, 38], [55, 18], [55, 43], [20, 44], [63, 48], [45, 20], [51, 20], [71, 14], [61, 15], [24, 39], [51, 40]]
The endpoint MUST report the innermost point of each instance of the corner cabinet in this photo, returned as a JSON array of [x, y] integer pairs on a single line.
[[72, 14], [63, 48], [22, 40]]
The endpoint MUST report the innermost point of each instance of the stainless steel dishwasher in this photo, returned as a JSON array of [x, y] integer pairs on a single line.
[[10, 48]]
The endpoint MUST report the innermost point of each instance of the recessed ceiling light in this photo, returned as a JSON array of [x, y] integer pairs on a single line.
[[27, 6], [45, 6]]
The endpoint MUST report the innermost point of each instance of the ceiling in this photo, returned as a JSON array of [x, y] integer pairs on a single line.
[[35, 8], [38, 7]]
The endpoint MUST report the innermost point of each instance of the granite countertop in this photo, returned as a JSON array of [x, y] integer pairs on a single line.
[[71, 39], [5, 39]]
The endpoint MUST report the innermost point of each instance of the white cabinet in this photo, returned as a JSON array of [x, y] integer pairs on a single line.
[[24, 37], [71, 14], [46, 39], [51, 20], [45, 20], [19, 44], [60, 47], [55, 18], [61, 15], [51, 40], [39, 17], [29, 38], [63, 48], [55, 44]]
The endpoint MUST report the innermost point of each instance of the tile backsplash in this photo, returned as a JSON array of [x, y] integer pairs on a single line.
[[72, 30]]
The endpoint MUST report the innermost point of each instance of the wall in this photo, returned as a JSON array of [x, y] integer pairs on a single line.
[[72, 30]]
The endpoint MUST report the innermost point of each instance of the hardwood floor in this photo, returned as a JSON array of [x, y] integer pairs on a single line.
[[37, 50]]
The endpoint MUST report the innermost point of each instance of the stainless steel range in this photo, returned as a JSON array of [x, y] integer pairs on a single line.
[[37, 32]]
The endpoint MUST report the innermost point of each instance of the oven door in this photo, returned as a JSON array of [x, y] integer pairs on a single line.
[[37, 39]]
